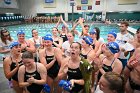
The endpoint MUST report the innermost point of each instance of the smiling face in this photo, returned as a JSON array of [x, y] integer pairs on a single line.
[[55, 31], [110, 38], [47, 43], [75, 49], [27, 62], [34, 33], [21, 37]]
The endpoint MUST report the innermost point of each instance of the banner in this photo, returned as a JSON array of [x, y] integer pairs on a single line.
[[8, 4]]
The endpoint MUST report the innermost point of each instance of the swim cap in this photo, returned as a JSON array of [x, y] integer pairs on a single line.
[[13, 44], [20, 32], [93, 31], [113, 47], [88, 40], [48, 34], [113, 33], [48, 38]]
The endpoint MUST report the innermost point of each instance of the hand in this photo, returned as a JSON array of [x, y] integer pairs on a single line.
[[133, 63], [81, 20], [31, 80], [23, 46], [61, 18], [122, 49], [72, 82], [98, 62]]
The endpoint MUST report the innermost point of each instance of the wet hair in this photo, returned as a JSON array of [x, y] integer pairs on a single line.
[[56, 28], [116, 81], [32, 32], [2, 36], [71, 32], [138, 30], [27, 54], [84, 27], [125, 23], [78, 44], [97, 33]]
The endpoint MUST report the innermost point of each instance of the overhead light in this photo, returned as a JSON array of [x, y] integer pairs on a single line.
[[110, 11]]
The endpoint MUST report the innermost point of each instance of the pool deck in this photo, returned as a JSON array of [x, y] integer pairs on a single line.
[[4, 88]]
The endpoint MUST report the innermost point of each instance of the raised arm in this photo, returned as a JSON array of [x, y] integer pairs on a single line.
[[65, 24], [82, 25], [58, 23]]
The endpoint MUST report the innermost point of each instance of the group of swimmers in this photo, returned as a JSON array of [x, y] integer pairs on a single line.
[[30, 64]]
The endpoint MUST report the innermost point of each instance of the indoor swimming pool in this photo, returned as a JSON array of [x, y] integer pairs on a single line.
[[45, 28]]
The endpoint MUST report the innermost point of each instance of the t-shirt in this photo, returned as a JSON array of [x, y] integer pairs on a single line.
[[123, 40], [98, 90], [5, 46], [36, 41], [66, 47]]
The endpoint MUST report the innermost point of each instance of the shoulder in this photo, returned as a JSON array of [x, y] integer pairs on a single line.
[[131, 36], [65, 61], [40, 66], [7, 60], [65, 43], [22, 69], [42, 51], [118, 62]]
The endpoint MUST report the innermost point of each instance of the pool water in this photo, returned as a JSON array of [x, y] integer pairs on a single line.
[[44, 28]]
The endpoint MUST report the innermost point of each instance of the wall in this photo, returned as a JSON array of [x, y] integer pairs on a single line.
[[112, 5], [10, 10], [32, 7], [4, 10]]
